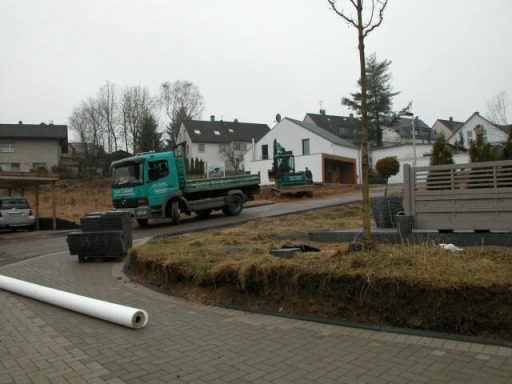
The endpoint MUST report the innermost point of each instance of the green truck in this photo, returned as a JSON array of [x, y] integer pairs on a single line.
[[154, 185]]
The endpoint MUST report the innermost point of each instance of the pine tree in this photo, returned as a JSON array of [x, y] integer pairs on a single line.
[[441, 152], [149, 137], [479, 150], [174, 125], [380, 99]]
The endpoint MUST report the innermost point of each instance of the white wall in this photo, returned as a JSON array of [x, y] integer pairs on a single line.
[[290, 136], [211, 152]]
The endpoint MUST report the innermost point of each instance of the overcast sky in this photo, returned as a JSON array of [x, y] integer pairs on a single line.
[[251, 59]]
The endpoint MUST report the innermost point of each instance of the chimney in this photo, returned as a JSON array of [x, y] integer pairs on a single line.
[[351, 115], [322, 112], [451, 119], [212, 118], [20, 122]]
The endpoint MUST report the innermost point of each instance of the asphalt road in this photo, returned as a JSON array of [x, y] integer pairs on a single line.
[[22, 245]]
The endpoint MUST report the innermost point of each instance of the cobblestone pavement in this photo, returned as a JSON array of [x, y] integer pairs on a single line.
[[188, 343]]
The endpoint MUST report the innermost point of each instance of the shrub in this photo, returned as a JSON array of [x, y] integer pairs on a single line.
[[387, 167]]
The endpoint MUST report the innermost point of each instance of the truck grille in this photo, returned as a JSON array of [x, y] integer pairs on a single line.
[[125, 203]]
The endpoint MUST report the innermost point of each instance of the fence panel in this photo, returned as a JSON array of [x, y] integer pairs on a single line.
[[473, 196]]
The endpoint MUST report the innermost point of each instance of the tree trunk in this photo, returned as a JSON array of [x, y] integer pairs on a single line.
[[367, 234]]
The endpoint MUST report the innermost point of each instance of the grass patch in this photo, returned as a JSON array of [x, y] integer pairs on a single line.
[[246, 246]]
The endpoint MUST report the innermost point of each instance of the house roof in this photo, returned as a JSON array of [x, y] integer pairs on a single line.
[[505, 128], [404, 128], [451, 124], [333, 123], [500, 127], [320, 131], [36, 132], [224, 132]]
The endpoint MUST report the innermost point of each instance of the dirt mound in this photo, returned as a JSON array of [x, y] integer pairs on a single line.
[[379, 301]]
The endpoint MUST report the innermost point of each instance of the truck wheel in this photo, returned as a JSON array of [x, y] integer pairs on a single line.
[[142, 222], [234, 206], [175, 213]]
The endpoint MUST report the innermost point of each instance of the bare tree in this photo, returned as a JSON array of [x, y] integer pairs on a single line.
[[365, 19], [108, 109], [136, 103], [497, 109], [85, 122], [234, 153], [180, 99]]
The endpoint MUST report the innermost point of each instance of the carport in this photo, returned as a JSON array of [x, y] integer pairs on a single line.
[[22, 180], [339, 169]]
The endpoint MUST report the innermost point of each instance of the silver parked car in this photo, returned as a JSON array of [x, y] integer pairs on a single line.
[[15, 212]]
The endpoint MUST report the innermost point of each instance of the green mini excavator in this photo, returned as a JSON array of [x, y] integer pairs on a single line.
[[287, 181]]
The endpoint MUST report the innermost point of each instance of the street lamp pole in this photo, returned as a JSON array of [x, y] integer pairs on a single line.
[[413, 137], [413, 141]]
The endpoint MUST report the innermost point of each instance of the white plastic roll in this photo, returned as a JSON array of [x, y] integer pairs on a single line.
[[115, 313]]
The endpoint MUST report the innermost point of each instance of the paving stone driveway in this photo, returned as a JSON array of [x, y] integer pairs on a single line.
[[187, 343]]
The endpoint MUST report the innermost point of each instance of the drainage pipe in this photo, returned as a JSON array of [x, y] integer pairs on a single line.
[[115, 313]]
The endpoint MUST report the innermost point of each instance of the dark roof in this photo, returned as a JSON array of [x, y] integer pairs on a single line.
[[451, 124], [404, 128], [505, 128], [336, 124], [224, 132], [36, 132], [333, 138]]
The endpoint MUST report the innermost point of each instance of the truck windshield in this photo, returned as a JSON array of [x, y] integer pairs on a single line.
[[128, 174]]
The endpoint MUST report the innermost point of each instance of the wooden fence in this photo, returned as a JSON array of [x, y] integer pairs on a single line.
[[474, 196]]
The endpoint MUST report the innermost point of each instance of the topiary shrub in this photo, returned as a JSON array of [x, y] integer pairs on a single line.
[[387, 167]]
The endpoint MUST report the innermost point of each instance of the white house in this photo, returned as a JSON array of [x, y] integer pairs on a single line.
[[330, 158], [492, 133], [208, 140]]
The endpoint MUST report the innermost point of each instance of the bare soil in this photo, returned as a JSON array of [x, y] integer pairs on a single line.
[[481, 311]]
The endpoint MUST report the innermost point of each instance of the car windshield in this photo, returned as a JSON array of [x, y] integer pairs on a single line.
[[14, 203], [127, 174]]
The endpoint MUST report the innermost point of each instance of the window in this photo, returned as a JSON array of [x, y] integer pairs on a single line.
[[217, 133], [223, 148], [470, 135], [200, 147], [239, 146], [10, 167], [157, 170], [6, 147], [197, 131], [305, 147], [264, 152]]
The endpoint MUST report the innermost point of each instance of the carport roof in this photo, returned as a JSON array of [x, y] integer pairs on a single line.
[[26, 179]]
